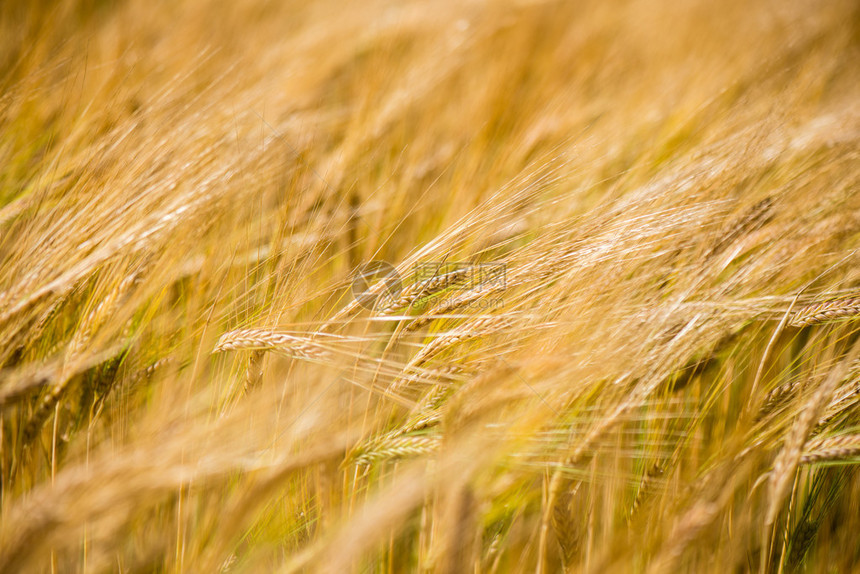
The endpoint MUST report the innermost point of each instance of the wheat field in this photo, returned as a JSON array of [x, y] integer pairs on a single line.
[[429, 286]]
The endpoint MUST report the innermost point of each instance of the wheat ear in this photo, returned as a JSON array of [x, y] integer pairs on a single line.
[[449, 305], [253, 372], [75, 352], [846, 398], [462, 334], [567, 531], [801, 540], [830, 449], [749, 221], [393, 448], [426, 288], [269, 340], [777, 398], [844, 308], [789, 457], [645, 487]]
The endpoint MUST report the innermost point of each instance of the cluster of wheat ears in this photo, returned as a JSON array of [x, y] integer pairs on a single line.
[[667, 379]]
